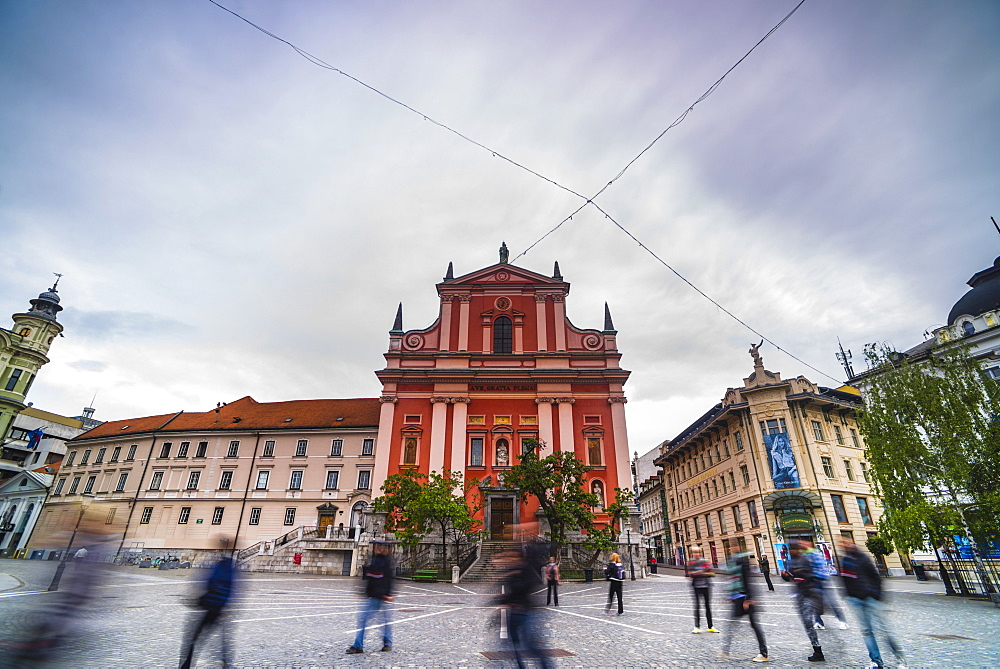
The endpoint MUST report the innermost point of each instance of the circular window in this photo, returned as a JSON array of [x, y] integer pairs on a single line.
[[502, 303]]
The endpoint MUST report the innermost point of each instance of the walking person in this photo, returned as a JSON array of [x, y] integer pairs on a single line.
[[864, 594], [551, 582], [765, 569], [700, 570], [378, 577], [219, 590], [807, 597], [518, 596], [822, 572], [741, 592], [615, 573]]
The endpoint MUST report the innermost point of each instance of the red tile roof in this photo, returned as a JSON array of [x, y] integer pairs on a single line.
[[248, 414]]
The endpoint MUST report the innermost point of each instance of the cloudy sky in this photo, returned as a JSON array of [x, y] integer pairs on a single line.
[[232, 220]]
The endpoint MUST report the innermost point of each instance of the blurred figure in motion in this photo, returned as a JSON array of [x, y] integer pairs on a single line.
[[518, 594], [219, 589], [807, 596], [62, 616], [378, 577], [615, 573], [742, 594], [864, 592], [699, 570]]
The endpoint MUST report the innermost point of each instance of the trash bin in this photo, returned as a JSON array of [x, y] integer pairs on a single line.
[[588, 575], [919, 571]]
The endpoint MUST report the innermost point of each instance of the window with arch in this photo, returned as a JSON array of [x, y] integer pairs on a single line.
[[968, 328], [503, 338]]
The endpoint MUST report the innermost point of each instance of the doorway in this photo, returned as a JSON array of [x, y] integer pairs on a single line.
[[501, 518]]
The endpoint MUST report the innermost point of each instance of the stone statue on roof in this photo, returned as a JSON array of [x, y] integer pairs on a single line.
[[504, 253], [755, 354]]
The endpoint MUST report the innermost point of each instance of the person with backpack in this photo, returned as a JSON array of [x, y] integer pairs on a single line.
[[699, 570], [615, 573], [864, 593], [550, 574], [741, 593]]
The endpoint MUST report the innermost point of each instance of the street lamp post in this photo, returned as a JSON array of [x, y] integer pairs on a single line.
[[631, 563], [61, 567]]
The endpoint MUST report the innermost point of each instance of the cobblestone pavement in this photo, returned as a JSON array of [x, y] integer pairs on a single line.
[[284, 620]]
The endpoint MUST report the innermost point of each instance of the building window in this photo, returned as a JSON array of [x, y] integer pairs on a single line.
[[722, 521], [967, 329], [69, 460], [752, 509], [300, 447], [182, 450], [411, 419], [737, 519], [262, 477], [848, 470], [268, 449], [817, 430], [90, 485], [502, 335], [745, 473], [708, 524], [193, 479], [254, 516], [165, 449], [725, 447], [147, 513], [410, 451], [827, 466], [111, 516], [289, 516], [14, 376], [121, 482], [202, 449], [100, 456], [337, 447], [332, 479], [86, 457], [715, 487], [697, 528], [115, 454], [59, 486], [217, 515], [295, 482], [476, 452], [234, 449], [594, 451], [718, 454], [131, 452], [839, 434], [74, 485], [854, 438], [739, 441], [364, 479], [732, 480], [154, 483], [368, 447], [864, 472], [866, 516], [185, 514], [226, 482], [838, 508]]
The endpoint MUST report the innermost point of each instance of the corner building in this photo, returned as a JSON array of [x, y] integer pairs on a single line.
[[502, 364]]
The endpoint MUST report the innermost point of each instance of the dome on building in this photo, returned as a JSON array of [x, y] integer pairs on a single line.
[[984, 296], [50, 296]]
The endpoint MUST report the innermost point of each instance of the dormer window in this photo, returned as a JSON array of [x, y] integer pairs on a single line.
[[968, 328]]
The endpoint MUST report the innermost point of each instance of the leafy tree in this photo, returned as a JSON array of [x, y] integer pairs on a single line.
[[557, 481], [418, 503], [932, 433], [605, 538]]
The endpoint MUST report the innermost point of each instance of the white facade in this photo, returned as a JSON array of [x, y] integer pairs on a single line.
[[21, 500]]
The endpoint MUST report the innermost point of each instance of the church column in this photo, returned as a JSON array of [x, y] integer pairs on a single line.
[[439, 418], [543, 343], [463, 321], [559, 302], [621, 439], [566, 441], [545, 423], [384, 442], [459, 420], [445, 341]]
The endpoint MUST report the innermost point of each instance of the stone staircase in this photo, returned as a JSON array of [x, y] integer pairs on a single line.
[[489, 568]]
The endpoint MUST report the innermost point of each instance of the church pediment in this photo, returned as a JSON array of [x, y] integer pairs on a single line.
[[499, 275]]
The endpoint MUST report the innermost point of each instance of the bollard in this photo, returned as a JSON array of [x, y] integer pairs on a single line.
[[455, 574]]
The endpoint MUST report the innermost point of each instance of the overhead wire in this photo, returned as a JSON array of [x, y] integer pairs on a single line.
[[319, 62]]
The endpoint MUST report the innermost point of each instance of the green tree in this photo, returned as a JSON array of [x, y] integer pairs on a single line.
[[557, 481], [418, 503], [604, 538], [932, 433]]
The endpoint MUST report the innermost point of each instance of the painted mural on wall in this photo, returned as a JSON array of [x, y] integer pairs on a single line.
[[784, 471]]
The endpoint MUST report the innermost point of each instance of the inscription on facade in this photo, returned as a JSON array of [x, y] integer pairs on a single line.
[[503, 387]]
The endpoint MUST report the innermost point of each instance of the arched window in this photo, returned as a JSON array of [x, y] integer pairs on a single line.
[[968, 328], [502, 335], [357, 513]]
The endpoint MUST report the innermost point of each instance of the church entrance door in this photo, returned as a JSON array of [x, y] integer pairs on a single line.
[[501, 518]]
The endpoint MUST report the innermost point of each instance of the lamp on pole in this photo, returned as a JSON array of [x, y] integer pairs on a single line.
[[85, 501], [631, 564]]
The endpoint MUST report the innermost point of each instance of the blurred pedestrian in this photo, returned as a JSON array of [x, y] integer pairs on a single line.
[[615, 573], [518, 595], [551, 581], [700, 570], [765, 569], [822, 571], [219, 589], [378, 576], [807, 598], [741, 593], [864, 593]]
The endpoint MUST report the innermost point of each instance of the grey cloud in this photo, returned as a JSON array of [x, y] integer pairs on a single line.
[[120, 324], [89, 365]]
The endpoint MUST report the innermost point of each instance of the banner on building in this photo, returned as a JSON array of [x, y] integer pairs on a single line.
[[784, 472]]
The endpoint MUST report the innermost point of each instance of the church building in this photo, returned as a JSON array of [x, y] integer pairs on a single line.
[[501, 367]]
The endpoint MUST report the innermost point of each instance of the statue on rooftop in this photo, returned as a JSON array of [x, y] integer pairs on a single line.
[[504, 253], [755, 354]]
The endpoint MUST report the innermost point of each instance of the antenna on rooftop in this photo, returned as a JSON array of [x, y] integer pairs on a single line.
[[845, 359]]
